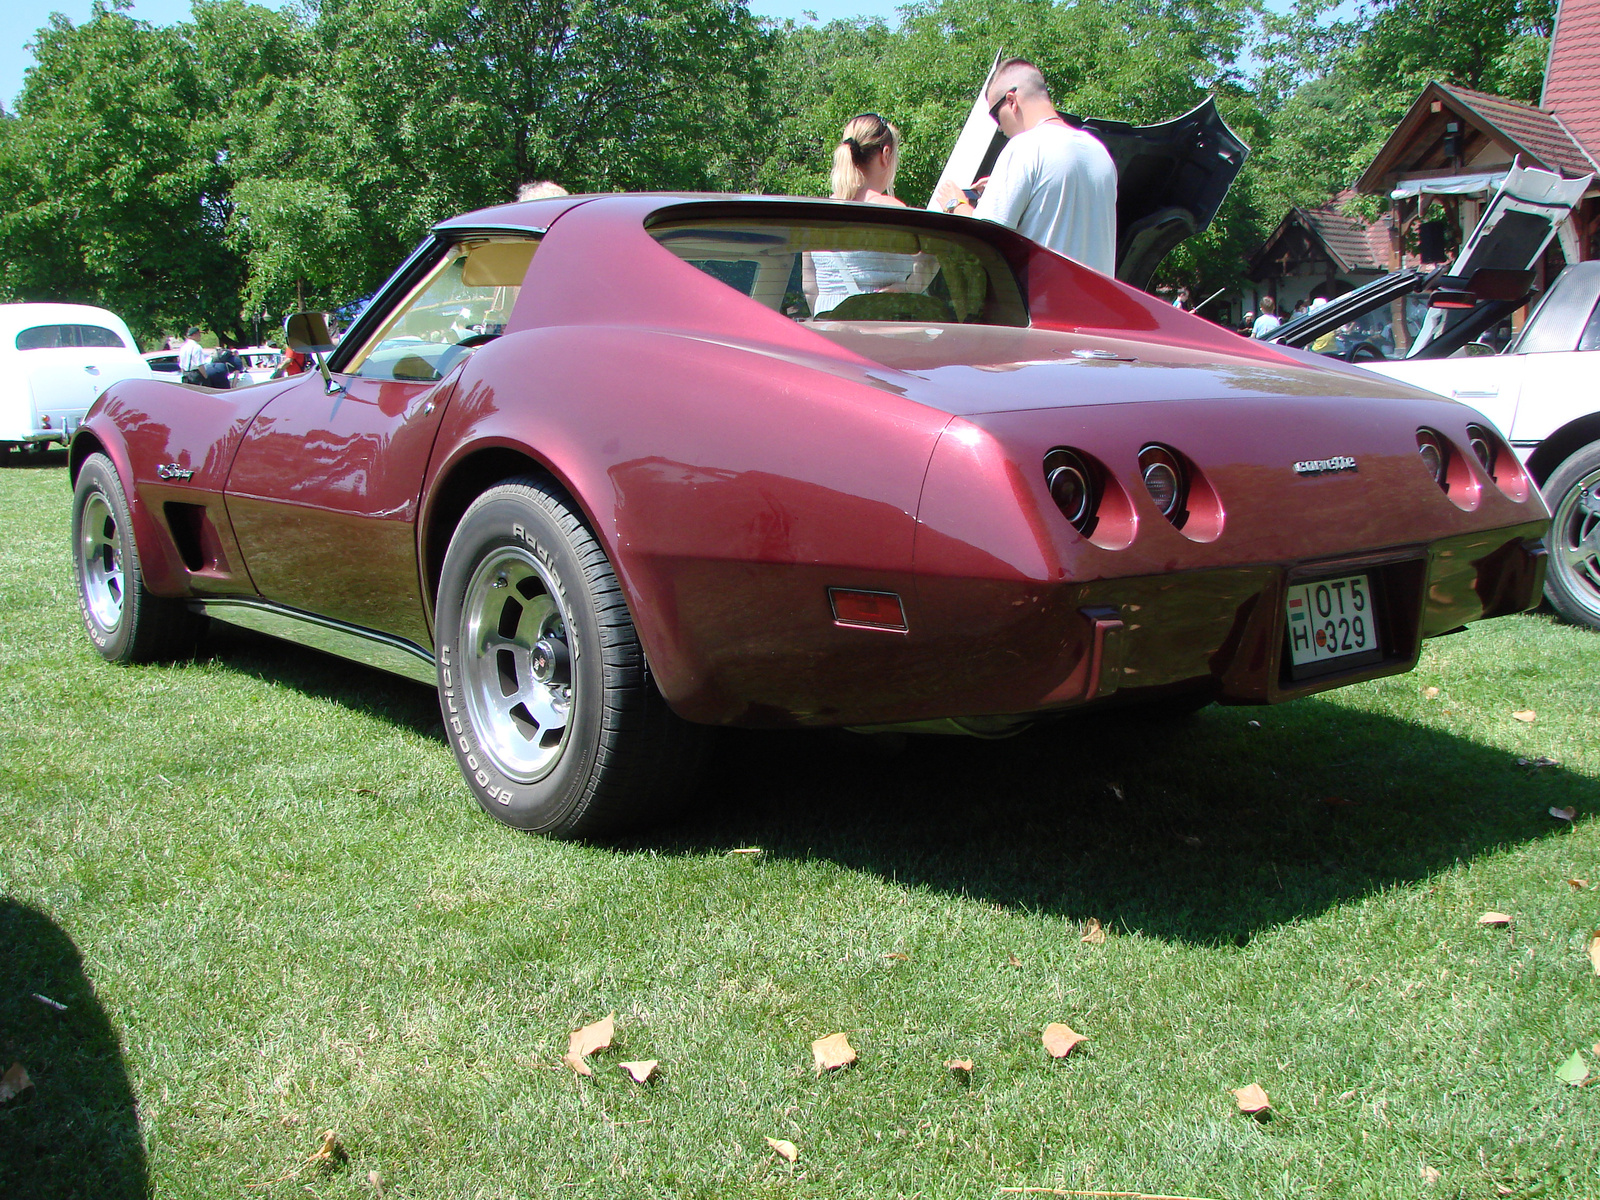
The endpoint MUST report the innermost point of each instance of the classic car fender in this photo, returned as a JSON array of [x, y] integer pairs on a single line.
[[172, 446], [754, 480]]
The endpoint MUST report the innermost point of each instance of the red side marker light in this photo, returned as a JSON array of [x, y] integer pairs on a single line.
[[880, 610]]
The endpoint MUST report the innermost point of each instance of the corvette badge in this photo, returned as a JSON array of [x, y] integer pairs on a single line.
[[174, 471], [1325, 466]]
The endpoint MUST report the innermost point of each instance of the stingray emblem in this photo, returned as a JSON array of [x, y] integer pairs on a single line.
[[174, 471], [1325, 466]]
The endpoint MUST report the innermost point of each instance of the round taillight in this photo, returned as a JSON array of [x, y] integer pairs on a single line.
[[1483, 447], [1072, 487], [1070, 490], [1435, 458], [1163, 479]]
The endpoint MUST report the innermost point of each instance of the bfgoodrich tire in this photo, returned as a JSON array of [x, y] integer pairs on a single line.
[[547, 699], [1572, 583], [125, 622]]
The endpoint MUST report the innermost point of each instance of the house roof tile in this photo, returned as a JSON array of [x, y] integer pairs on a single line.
[[1572, 81], [1534, 129]]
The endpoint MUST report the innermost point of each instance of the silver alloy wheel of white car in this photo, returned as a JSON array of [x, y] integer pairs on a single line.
[[517, 664], [1573, 583]]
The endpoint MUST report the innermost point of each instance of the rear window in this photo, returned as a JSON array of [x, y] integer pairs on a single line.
[[845, 271], [55, 337]]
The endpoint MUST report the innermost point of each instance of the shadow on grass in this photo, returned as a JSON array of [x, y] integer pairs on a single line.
[[1207, 830], [76, 1132], [34, 460]]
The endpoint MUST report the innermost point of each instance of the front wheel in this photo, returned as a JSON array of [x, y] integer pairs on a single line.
[[124, 620], [547, 700], [1573, 581]]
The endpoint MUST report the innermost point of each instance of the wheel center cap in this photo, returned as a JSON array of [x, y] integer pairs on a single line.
[[548, 661]]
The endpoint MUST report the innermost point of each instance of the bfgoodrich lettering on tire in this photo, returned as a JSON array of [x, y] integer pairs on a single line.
[[125, 622], [546, 696]]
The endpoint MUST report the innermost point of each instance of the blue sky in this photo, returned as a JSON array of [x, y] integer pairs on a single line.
[[20, 18]]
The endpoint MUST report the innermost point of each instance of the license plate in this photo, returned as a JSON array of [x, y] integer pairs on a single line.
[[1330, 619]]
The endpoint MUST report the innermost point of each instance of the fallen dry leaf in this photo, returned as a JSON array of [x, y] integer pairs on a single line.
[[832, 1052], [1563, 814], [1430, 693], [641, 1072], [1595, 1049], [753, 851], [1251, 1098], [961, 1068], [898, 956], [330, 1152], [1578, 884], [1093, 934], [1430, 1175], [1574, 1071], [49, 1003], [376, 1181], [787, 1151], [1013, 961], [1059, 1040], [1594, 950], [1526, 715], [1497, 920], [584, 1042], [1537, 764], [14, 1082]]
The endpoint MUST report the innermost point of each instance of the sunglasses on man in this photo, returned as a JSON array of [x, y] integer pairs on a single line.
[[994, 109]]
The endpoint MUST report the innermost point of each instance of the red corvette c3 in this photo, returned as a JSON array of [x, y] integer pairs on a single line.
[[610, 470]]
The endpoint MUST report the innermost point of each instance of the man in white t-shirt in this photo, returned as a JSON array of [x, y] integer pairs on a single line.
[[191, 357], [1052, 183]]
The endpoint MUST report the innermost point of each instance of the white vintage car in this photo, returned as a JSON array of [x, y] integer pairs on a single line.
[[1540, 394], [55, 360]]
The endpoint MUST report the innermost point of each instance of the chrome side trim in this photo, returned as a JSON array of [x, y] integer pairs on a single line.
[[366, 646]]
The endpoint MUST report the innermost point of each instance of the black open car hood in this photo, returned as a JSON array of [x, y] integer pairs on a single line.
[[1171, 177]]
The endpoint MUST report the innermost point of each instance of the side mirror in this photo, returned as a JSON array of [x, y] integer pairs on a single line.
[[307, 332]]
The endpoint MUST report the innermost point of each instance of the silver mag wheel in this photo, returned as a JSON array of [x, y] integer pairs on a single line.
[[100, 563], [124, 620], [547, 699], [1573, 581], [516, 664]]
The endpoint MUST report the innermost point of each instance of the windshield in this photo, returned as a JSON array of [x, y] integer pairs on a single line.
[[848, 271]]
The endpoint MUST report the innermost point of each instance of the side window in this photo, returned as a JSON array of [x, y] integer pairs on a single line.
[[56, 337], [1591, 332], [465, 301]]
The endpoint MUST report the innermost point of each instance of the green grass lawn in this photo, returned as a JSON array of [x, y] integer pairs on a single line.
[[272, 909]]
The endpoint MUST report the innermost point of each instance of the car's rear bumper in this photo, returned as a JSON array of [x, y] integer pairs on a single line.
[[995, 650]]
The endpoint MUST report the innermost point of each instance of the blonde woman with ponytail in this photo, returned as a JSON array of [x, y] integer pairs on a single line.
[[864, 163], [865, 160]]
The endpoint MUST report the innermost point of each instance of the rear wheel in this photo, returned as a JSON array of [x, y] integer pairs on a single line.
[[1573, 581], [547, 699], [125, 621]]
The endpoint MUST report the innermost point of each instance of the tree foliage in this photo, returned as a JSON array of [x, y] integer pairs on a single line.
[[224, 168]]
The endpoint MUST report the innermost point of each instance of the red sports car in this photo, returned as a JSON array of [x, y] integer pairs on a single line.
[[610, 470]]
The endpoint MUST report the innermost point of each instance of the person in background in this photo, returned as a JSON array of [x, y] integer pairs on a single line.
[[219, 372], [1247, 323], [864, 165], [1181, 300], [1268, 320], [191, 356], [540, 189], [1053, 183]]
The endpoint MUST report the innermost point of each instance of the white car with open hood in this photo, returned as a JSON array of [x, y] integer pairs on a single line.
[[55, 360], [1540, 391]]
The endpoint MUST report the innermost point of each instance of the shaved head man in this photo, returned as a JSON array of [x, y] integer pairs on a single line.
[[1053, 183]]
